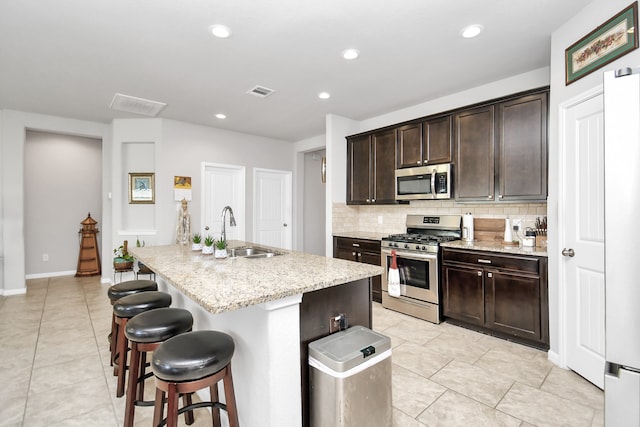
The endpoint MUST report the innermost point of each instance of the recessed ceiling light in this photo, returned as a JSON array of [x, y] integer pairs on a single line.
[[324, 95], [221, 116], [471, 31], [220, 31], [350, 54]]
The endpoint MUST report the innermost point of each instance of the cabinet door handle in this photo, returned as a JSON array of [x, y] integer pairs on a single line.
[[353, 253], [489, 197], [500, 196], [479, 273], [489, 274], [373, 200], [419, 162], [359, 254], [357, 245], [484, 261], [368, 201]]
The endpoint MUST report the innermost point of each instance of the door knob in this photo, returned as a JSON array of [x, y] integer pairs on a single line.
[[285, 224], [568, 252]]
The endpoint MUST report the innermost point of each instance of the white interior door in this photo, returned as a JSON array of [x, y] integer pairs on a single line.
[[582, 234], [272, 208], [223, 185]]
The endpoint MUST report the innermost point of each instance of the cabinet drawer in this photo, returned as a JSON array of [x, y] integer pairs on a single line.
[[360, 244], [488, 259]]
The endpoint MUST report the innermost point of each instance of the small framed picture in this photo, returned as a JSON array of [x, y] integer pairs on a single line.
[[616, 37], [141, 188]]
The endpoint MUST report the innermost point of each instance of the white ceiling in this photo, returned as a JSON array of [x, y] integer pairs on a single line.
[[69, 57]]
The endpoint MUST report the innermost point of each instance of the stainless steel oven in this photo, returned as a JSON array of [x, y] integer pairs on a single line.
[[417, 254], [419, 289]]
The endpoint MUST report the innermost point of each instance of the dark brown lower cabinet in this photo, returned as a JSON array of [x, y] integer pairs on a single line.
[[504, 295], [361, 250]]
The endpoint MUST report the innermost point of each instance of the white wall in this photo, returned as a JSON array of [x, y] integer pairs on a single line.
[[301, 148], [12, 141], [179, 149], [314, 201], [595, 14], [63, 182]]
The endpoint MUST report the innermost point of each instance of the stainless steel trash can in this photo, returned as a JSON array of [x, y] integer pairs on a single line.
[[350, 379]]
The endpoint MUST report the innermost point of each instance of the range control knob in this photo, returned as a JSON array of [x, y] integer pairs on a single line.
[[417, 247], [406, 246]]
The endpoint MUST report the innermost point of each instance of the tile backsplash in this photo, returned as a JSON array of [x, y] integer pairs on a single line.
[[388, 219]]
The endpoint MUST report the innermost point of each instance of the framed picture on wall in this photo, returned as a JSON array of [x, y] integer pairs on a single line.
[[611, 40], [141, 187]]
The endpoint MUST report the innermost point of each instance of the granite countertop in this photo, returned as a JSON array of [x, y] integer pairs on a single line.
[[367, 235], [492, 246], [221, 285]]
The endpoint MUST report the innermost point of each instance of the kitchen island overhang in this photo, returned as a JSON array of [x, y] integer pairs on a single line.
[[272, 307]]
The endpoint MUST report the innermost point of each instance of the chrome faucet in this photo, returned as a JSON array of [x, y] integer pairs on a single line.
[[232, 221]]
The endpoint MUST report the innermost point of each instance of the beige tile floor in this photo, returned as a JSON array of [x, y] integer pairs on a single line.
[[442, 374]]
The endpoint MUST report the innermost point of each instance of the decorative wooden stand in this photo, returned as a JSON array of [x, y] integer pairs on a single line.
[[88, 258]]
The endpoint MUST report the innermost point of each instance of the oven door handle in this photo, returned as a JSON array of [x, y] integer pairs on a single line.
[[410, 255]]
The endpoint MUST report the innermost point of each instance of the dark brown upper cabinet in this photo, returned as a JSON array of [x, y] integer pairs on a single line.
[[425, 143], [371, 164], [475, 152], [501, 151], [522, 148]]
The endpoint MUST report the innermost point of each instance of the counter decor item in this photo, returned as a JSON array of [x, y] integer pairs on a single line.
[[541, 232], [221, 248], [197, 242], [467, 227], [529, 239], [207, 249], [122, 259], [508, 234]]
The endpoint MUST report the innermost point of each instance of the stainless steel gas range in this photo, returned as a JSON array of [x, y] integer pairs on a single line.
[[417, 254]]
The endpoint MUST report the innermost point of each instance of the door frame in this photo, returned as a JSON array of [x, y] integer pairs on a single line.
[[561, 357], [288, 204]]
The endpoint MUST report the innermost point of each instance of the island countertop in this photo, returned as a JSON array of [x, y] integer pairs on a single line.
[[221, 285]]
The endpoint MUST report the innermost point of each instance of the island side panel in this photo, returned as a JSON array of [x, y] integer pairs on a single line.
[[352, 299], [267, 341]]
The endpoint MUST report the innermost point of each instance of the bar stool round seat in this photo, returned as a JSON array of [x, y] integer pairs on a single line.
[[118, 291], [145, 332], [189, 362], [124, 309], [130, 287]]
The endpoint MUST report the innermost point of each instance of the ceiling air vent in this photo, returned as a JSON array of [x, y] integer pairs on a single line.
[[261, 91], [131, 104]]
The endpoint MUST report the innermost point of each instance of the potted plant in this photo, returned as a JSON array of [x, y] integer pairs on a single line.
[[122, 259], [197, 242], [207, 249], [221, 248]]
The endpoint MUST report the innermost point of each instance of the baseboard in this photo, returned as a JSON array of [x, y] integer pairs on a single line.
[[555, 359], [8, 293], [53, 274]]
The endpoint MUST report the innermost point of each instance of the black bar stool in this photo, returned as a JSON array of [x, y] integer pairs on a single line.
[[118, 291], [124, 309], [145, 333], [190, 362]]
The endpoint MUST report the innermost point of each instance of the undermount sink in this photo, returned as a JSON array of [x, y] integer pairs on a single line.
[[250, 253]]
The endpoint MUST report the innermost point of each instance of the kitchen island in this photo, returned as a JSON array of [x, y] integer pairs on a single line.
[[272, 307]]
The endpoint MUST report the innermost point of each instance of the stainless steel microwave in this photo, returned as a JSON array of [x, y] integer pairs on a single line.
[[424, 182]]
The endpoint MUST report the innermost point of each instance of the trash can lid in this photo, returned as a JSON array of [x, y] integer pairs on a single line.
[[349, 348]]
